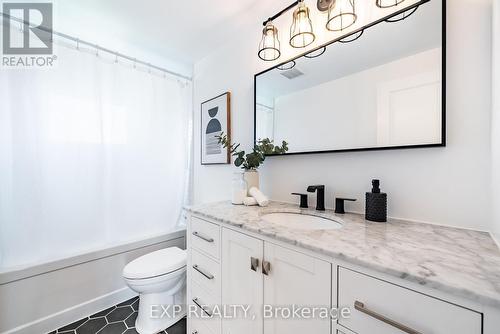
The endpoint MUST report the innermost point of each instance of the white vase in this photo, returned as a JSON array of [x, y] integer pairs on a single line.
[[240, 189], [252, 179]]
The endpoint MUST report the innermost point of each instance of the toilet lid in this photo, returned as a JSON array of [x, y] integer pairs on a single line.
[[157, 263]]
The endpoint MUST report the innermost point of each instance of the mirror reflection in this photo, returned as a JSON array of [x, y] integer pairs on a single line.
[[350, 97]]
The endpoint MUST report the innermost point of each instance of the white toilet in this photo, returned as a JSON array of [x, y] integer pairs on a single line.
[[160, 279]]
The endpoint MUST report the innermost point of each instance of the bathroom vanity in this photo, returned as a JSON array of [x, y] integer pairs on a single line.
[[399, 277]]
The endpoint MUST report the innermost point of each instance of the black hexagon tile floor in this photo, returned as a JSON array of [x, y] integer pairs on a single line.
[[119, 319]]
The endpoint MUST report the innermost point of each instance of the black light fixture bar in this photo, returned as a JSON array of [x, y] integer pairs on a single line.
[[357, 31], [275, 16]]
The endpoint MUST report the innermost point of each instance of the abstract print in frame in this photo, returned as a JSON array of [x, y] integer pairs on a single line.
[[215, 119]]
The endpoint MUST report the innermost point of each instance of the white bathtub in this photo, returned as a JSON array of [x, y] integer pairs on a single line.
[[46, 296]]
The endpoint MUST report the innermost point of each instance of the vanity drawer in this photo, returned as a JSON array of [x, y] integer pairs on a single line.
[[378, 307], [199, 326], [205, 237], [206, 272], [342, 332], [202, 299]]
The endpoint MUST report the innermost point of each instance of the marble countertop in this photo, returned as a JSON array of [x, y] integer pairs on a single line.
[[461, 262]]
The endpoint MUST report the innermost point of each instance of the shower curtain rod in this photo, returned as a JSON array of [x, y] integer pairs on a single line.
[[97, 47]]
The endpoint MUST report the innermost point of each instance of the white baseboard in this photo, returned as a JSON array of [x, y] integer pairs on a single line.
[[72, 314]]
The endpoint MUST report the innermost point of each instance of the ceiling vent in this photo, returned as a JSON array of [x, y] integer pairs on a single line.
[[292, 74]]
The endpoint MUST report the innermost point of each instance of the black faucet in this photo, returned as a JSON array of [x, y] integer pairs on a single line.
[[303, 200], [320, 197]]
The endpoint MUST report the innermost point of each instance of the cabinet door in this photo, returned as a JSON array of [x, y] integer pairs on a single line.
[[296, 279], [242, 284]]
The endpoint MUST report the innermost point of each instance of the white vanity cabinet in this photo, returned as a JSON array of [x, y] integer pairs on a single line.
[[242, 280], [384, 308], [230, 266], [262, 274], [294, 278], [255, 273]]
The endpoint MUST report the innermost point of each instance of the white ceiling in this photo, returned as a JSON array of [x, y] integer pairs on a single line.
[[184, 31]]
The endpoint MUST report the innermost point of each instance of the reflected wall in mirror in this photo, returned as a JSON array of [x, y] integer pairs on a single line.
[[384, 90]]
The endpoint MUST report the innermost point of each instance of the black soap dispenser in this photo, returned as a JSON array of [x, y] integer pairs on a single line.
[[376, 204]]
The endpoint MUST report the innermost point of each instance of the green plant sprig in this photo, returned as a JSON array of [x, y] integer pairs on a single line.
[[256, 158]]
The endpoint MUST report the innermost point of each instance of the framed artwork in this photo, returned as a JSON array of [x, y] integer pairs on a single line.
[[215, 119]]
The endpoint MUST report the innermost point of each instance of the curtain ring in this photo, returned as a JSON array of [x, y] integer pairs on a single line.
[[78, 44], [97, 50], [149, 68], [116, 57], [135, 62]]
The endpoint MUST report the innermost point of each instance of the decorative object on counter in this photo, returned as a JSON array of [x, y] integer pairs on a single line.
[[239, 191], [252, 178], [339, 204], [376, 204], [259, 196], [303, 200], [215, 120], [252, 161], [250, 201]]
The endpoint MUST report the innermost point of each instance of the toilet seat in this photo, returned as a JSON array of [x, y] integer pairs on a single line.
[[158, 263]]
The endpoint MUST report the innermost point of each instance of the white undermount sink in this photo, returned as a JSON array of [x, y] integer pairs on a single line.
[[300, 221]]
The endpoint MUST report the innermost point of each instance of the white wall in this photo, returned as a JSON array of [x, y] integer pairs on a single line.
[[86, 23], [350, 122], [442, 185], [495, 148]]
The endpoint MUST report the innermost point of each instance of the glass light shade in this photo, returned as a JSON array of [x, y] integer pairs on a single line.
[[316, 53], [341, 15], [402, 16], [287, 66], [269, 47], [388, 3], [301, 31]]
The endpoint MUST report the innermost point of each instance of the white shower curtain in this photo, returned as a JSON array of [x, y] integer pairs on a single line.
[[93, 153]]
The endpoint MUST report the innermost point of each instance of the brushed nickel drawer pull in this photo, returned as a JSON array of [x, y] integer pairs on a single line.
[[254, 263], [197, 302], [202, 237], [266, 268], [203, 272], [361, 308]]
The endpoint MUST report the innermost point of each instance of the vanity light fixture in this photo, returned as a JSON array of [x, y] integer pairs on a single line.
[[315, 53], [353, 37], [388, 3], [402, 16], [269, 47], [341, 15], [301, 31], [287, 66]]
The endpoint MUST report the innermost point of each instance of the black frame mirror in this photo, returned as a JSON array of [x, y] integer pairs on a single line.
[[352, 37]]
